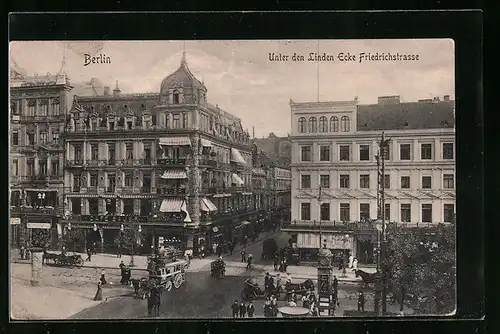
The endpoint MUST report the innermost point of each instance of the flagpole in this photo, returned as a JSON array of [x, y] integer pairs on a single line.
[[320, 222]]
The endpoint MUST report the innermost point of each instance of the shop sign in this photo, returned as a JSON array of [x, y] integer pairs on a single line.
[[45, 226], [15, 221]]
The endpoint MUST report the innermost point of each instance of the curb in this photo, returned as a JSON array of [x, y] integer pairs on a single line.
[[102, 302]]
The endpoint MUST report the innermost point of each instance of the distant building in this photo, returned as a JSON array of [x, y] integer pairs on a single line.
[[277, 148], [333, 149], [38, 105]]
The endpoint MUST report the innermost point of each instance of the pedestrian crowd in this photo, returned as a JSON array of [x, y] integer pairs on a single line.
[[242, 310]]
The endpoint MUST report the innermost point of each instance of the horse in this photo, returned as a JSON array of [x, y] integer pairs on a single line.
[[154, 301], [307, 285], [366, 277]]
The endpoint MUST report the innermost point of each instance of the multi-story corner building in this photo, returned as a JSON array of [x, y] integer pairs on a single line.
[[37, 116], [170, 162], [334, 169]]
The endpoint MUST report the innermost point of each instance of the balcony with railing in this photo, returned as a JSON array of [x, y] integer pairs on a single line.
[[126, 219], [171, 191], [111, 189], [36, 209], [146, 190], [171, 161]]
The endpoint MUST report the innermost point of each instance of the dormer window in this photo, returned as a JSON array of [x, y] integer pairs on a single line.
[[175, 97]]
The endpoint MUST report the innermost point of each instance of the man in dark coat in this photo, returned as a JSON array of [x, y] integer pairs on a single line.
[[243, 310], [276, 262], [122, 272], [250, 309], [266, 281], [243, 255], [89, 255], [335, 283], [361, 301], [235, 308], [249, 261]]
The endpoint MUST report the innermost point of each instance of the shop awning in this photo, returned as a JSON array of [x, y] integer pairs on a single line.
[[205, 142], [237, 180], [171, 205], [175, 141], [237, 157], [207, 205], [245, 222], [174, 174]]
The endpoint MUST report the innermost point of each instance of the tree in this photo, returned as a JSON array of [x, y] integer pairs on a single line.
[[40, 239], [129, 240], [74, 238], [421, 263]]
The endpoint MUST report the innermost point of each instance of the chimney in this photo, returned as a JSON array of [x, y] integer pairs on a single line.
[[117, 90], [446, 98], [394, 99], [107, 90]]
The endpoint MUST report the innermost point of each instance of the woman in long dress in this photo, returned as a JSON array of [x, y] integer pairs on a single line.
[[98, 294], [355, 264]]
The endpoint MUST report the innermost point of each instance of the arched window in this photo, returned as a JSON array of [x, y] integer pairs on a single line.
[[302, 125], [323, 124], [334, 124], [175, 97], [313, 124], [345, 125]]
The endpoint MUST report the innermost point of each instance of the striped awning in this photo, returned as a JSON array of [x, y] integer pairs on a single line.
[[207, 205], [237, 157], [205, 142], [175, 141], [237, 180], [174, 174], [171, 205]]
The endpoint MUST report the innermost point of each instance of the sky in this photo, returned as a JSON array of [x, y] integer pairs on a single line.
[[242, 80]]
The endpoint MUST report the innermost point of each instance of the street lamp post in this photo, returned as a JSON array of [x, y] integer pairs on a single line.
[[134, 240]]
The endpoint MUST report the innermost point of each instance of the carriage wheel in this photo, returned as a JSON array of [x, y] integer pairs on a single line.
[[168, 285], [177, 281]]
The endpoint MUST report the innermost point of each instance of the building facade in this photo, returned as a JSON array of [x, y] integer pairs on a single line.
[[170, 162], [335, 178], [37, 115]]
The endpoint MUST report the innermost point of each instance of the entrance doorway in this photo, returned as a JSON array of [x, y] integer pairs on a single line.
[[364, 252]]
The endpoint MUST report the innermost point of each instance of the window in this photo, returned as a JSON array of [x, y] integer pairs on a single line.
[[426, 182], [449, 213], [93, 206], [111, 125], [425, 151], [313, 124], [364, 152], [427, 213], [387, 212], [30, 168], [31, 107], [76, 182], [43, 137], [305, 181], [175, 97], [13, 108], [94, 125], [111, 154], [324, 153], [334, 124], [344, 181], [324, 181], [448, 181], [110, 206], [76, 206], [55, 107], [324, 211], [387, 181], [345, 125], [111, 182], [305, 153], [344, 152], [302, 125], [44, 108], [364, 181], [184, 120], [305, 211], [15, 168], [94, 152], [176, 121], [31, 138], [345, 212], [364, 211], [447, 150], [153, 119], [129, 151], [55, 137], [15, 138], [42, 167], [78, 153], [128, 206], [405, 182], [129, 179], [55, 167], [404, 152], [406, 213], [93, 179], [323, 124]]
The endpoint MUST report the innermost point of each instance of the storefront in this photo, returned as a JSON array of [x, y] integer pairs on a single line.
[[40, 233], [15, 232], [366, 244], [308, 243]]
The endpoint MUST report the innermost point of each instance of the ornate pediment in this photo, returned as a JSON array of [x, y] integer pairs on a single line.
[[447, 195], [407, 195], [146, 113], [128, 113], [305, 194], [346, 196]]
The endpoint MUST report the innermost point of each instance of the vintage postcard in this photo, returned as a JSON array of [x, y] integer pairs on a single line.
[[232, 179]]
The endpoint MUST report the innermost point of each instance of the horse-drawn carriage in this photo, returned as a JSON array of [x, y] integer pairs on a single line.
[[168, 274], [252, 290], [269, 249], [63, 260], [218, 268], [299, 289]]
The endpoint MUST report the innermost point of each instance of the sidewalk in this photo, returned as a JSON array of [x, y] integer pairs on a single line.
[[62, 292]]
